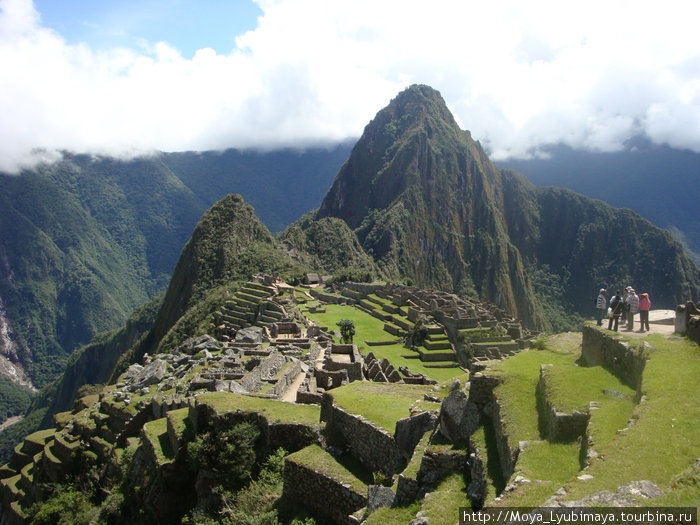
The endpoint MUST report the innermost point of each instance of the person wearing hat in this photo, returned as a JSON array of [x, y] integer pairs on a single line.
[[633, 307], [601, 305], [644, 307]]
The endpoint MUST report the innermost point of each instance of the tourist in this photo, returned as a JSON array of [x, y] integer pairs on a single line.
[[616, 308], [623, 315], [644, 307], [633, 308], [601, 305]]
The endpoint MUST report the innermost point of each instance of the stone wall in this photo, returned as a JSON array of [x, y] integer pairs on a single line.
[[323, 496], [507, 452], [687, 321], [290, 436], [481, 389], [623, 360], [436, 465], [557, 425], [374, 447], [328, 298], [289, 376]]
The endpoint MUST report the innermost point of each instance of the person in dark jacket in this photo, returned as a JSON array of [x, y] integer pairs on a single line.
[[616, 307]]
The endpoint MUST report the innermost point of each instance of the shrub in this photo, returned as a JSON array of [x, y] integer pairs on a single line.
[[230, 454]]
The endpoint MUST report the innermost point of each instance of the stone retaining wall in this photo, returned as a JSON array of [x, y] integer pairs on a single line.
[[323, 496], [624, 361], [374, 447], [481, 389], [289, 376], [328, 298], [507, 454], [557, 425]]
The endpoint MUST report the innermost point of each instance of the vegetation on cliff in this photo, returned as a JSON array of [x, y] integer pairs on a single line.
[[428, 205]]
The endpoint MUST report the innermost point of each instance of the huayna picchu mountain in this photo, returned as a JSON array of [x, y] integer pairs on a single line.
[[428, 205]]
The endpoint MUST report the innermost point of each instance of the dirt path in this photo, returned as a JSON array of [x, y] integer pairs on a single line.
[[10, 421], [660, 322], [291, 393]]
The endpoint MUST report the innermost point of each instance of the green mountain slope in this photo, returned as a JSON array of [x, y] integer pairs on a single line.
[[88, 239], [427, 204], [418, 192], [644, 178]]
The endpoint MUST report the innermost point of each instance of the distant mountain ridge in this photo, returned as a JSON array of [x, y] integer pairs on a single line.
[[658, 182], [87, 240]]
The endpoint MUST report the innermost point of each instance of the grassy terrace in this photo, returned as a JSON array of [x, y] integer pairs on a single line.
[[665, 440], [369, 328], [275, 411], [157, 433], [360, 398], [550, 465], [349, 471]]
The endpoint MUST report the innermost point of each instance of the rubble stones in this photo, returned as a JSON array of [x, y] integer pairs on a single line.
[[194, 345], [250, 334], [379, 496], [458, 417], [149, 375]]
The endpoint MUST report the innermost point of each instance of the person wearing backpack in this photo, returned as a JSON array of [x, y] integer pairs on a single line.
[[616, 307]]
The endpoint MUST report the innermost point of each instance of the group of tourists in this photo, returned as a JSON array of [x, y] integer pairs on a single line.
[[623, 308]]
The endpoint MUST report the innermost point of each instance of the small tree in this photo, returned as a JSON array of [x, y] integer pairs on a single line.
[[417, 333], [347, 330]]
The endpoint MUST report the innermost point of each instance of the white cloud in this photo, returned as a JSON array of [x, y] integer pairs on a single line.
[[518, 75]]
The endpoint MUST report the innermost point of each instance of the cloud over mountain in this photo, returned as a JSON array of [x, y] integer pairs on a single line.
[[517, 75]]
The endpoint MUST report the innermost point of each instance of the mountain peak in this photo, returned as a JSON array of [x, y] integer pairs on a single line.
[[416, 189]]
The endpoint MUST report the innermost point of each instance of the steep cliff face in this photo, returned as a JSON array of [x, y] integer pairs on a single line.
[[419, 193], [210, 257], [591, 244]]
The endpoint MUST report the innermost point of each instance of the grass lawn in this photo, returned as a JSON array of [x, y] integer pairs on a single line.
[[272, 409], [368, 328], [381, 403], [550, 465], [157, 433], [442, 506], [665, 440]]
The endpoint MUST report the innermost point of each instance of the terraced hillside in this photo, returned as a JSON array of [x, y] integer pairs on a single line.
[[591, 419]]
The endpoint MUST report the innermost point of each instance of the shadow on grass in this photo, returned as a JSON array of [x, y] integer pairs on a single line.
[[493, 461]]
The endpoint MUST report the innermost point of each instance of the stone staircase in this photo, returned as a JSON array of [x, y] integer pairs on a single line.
[[250, 306]]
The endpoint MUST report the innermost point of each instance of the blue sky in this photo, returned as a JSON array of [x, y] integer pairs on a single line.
[[187, 26], [129, 77]]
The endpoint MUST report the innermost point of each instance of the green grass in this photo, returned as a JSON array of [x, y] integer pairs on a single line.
[[317, 459], [411, 470], [361, 398], [157, 433], [442, 506], [274, 410], [394, 515], [665, 440], [569, 387], [368, 328]]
